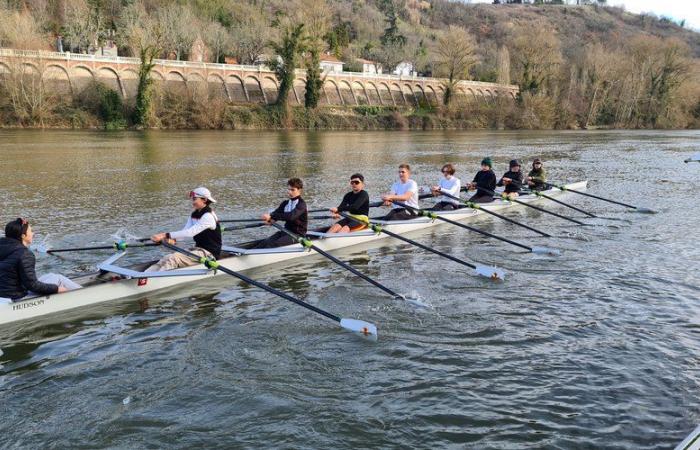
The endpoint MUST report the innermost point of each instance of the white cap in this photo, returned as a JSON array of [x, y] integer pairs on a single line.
[[202, 192]]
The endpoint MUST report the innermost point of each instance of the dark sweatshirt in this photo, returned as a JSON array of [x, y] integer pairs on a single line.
[[294, 214], [516, 181], [353, 203], [17, 274], [485, 180]]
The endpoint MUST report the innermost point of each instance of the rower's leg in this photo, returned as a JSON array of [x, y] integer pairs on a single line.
[[59, 280], [345, 229], [335, 228]]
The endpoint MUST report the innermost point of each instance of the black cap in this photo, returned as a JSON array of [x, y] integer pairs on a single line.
[[513, 163]]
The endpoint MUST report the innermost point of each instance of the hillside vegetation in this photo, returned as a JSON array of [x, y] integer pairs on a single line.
[[576, 66]]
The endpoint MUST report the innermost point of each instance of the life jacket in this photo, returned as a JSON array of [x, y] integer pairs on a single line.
[[208, 239]]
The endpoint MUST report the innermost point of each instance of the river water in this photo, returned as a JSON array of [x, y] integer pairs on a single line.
[[596, 348]]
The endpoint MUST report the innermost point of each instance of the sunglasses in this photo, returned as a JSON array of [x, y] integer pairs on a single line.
[[445, 171], [355, 182]]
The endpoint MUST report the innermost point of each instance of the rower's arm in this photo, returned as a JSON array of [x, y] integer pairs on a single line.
[[358, 204], [298, 211], [27, 276], [206, 222]]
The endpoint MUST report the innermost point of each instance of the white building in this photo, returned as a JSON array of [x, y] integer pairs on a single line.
[[404, 69], [330, 63], [370, 66]]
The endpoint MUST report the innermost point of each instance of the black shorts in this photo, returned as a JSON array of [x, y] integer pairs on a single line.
[[400, 214], [444, 206]]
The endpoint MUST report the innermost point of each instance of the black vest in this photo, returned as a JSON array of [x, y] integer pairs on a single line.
[[208, 239]]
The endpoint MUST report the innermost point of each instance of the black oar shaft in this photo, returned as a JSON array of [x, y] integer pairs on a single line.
[[540, 194], [380, 229], [257, 284], [307, 243], [495, 214], [566, 189], [466, 227], [99, 247]]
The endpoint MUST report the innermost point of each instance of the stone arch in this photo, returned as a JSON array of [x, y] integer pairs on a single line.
[[130, 82], [420, 95], [156, 75], [358, 90], [270, 89], [488, 95], [373, 93], [346, 93], [299, 91], [196, 85], [56, 78], [236, 88], [332, 94], [176, 83], [397, 94], [409, 95], [432, 96], [385, 94], [110, 78], [81, 76], [254, 89], [216, 87]]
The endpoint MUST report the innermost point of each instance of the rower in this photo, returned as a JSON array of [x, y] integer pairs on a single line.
[[17, 266], [450, 185], [404, 190], [355, 203], [537, 178], [512, 180], [202, 225], [484, 182], [294, 214]]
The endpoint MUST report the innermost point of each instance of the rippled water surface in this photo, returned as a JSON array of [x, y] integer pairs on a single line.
[[596, 348]]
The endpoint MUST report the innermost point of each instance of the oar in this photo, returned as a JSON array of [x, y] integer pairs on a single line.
[[309, 244], [540, 194], [116, 246], [478, 207], [485, 271], [694, 158], [538, 208], [356, 326], [637, 208], [433, 215]]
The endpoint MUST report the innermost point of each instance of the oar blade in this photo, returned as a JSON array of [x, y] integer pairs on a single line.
[[546, 251], [493, 273], [645, 210], [360, 327]]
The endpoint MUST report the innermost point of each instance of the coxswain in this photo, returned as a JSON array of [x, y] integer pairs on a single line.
[[484, 182], [512, 180], [354, 203], [293, 212], [202, 226], [404, 190], [537, 178], [448, 184], [17, 266]]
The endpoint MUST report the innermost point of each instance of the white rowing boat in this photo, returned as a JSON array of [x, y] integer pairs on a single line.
[[114, 282]]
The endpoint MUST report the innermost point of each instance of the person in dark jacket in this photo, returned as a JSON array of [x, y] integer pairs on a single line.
[[355, 203], [512, 180], [484, 182], [537, 178], [17, 266], [294, 214]]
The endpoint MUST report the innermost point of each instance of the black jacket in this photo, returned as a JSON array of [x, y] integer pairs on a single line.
[[295, 220], [355, 203], [485, 180], [516, 181], [209, 240], [17, 275]]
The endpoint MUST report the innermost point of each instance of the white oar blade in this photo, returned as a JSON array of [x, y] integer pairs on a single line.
[[645, 211], [546, 251], [361, 327], [493, 273]]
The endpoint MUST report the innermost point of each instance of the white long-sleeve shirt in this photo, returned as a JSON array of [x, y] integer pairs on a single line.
[[452, 187], [195, 226]]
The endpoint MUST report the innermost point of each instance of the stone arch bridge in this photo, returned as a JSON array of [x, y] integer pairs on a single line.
[[68, 73]]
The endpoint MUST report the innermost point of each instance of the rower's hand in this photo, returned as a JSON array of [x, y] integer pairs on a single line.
[[506, 180], [335, 216], [158, 237], [334, 211], [470, 186], [266, 218], [62, 289], [436, 190]]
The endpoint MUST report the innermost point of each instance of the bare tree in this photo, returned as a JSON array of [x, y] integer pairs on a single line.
[[315, 16], [503, 65], [20, 30], [218, 39], [536, 56], [250, 35], [454, 55], [179, 29]]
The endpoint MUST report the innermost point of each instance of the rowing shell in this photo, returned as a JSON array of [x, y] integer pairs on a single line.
[[115, 282]]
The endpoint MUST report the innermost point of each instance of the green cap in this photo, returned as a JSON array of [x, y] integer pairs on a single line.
[[487, 162]]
